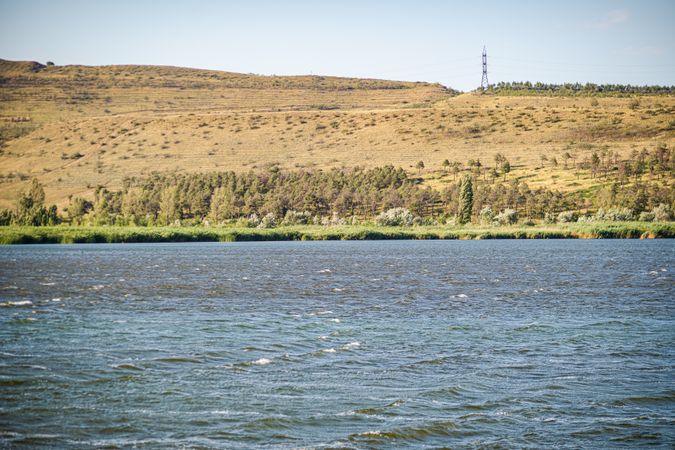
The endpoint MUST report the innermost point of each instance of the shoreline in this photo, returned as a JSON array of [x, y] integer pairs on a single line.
[[65, 234]]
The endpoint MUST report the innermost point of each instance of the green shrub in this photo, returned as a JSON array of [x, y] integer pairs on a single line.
[[550, 218], [646, 216]]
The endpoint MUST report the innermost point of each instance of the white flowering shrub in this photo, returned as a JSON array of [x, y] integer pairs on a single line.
[[395, 217], [334, 220], [662, 213], [616, 215], [507, 217], [296, 218], [487, 216], [568, 217], [268, 221]]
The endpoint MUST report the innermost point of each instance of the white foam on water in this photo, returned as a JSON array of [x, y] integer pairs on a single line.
[[244, 278], [371, 433], [97, 287], [17, 303], [338, 289], [351, 346], [328, 350], [325, 271], [262, 362], [48, 284], [56, 300], [323, 338], [334, 320], [461, 296], [321, 313]]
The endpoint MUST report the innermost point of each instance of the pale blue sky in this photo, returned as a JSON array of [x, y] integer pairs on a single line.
[[610, 41]]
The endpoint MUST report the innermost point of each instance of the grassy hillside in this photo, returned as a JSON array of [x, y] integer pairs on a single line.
[[76, 127]]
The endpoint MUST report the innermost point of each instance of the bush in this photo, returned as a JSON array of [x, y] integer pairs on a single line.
[[333, 220], [618, 215], [662, 213], [549, 218], [568, 217], [486, 216], [6, 217], [269, 221], [507, 217], [252, 221], [395, 217], [646, 216], [296, 218]]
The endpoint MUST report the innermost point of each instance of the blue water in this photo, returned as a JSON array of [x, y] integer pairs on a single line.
[[407, 344]]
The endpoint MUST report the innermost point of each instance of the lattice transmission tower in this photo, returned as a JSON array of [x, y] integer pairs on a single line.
[[484, 81]]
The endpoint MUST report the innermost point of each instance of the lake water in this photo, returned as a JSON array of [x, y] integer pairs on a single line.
[[406, 344]]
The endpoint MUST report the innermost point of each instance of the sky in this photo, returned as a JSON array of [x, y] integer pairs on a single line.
[[599, 41]]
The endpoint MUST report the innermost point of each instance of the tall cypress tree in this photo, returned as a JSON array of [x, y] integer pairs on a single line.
[[465, 200]]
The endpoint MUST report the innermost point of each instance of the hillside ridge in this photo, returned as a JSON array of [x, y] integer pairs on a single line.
[[78, 127]]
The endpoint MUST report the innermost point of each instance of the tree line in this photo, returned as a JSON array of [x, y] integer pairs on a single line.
[[338, 196], [526, 87]]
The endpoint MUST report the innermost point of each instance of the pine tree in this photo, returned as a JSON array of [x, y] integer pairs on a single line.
[[465, 200]]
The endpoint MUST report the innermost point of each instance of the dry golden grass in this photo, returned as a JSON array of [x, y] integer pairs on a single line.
[[166, 119]]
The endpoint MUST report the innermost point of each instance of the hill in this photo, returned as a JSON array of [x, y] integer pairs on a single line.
[[78, 127]]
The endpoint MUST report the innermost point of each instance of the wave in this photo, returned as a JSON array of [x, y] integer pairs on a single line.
[[351, 346], [380, 410], [25, 320], [13, 381], [608, 323], [262, 362], [667, 397], [178, 359], [454, 391], [410, 433], [17, 303], [534, 327], [127, 366]]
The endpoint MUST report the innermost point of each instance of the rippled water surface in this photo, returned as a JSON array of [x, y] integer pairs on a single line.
[[338, 344]]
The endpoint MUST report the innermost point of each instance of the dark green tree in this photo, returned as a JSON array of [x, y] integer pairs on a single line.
[[465, 200]]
